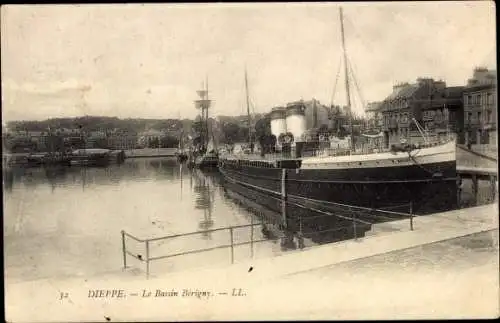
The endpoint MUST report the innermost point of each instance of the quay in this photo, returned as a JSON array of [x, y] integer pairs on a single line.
[[477, 166], [298, 282], [427, 229], [150, 152]]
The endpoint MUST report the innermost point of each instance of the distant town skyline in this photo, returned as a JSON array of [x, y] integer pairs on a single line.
[[147, 61]]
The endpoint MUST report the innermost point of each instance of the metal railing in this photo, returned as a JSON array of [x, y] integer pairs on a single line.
[[292, 226], [147, 242]]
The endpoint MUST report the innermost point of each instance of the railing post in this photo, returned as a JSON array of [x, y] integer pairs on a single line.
[[147, 258], [354, 224], [124, 250], [251, 238], [232, 244], [301, 237], [411, 215], [475, 189]]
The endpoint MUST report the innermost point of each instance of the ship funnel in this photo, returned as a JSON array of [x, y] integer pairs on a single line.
[[278, 121], [296, 119]]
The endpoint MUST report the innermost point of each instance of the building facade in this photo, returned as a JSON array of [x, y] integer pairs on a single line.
[[480, 108], [435, 107]]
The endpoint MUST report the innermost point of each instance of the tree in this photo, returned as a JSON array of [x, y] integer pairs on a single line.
[[168, 141], [263, 127], [231, 132]]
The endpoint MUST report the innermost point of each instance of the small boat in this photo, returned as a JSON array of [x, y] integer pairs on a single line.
[[208, 160]]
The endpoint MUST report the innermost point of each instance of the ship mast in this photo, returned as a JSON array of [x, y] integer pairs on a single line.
[[348, 94], [207, 138], [203, 104], [248, 110]]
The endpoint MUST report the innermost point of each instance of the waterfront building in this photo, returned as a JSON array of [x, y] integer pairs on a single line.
[[480, 107], [122, 140], [436, 107]]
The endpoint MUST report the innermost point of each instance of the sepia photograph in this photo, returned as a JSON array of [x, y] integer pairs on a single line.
[[250, 161]]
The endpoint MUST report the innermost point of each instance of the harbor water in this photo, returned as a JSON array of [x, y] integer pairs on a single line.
[[67, 221]]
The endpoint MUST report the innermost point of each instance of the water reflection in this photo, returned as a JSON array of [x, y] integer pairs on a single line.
[[67, 221], [141, 170], [204, 197]]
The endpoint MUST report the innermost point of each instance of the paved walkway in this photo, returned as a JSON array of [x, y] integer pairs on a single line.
[[44, 296]]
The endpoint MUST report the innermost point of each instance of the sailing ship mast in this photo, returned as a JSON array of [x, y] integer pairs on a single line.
[[348, 94], [207, 139], [203, 104]]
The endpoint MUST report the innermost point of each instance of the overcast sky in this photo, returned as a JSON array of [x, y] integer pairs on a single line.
[[148, 60]]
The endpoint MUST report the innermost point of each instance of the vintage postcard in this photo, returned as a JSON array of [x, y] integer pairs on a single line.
[[250, 161]]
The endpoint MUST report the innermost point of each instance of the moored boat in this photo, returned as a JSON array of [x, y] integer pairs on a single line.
[[205, 153], [208, 160], [422, 175]]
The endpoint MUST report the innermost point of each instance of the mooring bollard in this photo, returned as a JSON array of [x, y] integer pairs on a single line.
[[124, 250]]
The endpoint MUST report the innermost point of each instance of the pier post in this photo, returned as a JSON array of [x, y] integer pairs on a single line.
[[411, 215], [124, 250], [459, 192], [493, 188], [147, 258], [232, 244], [475, 189]]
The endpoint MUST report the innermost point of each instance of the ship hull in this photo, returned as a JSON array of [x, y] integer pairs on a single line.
[[367, 187], [427, 179]]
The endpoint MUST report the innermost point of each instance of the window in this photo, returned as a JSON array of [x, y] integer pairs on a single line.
[[479, 116], [488, 116], [469, 99], [469, 116]]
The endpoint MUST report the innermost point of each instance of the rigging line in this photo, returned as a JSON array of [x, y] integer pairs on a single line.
[[358, 34], [360, 93]]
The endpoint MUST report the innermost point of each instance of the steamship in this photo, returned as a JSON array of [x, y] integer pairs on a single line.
[[421, 174]]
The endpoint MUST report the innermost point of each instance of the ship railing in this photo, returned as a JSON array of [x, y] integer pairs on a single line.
[[365, 150], [148, 258]]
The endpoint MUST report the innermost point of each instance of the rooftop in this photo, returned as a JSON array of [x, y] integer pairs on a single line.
[[402, 91]]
